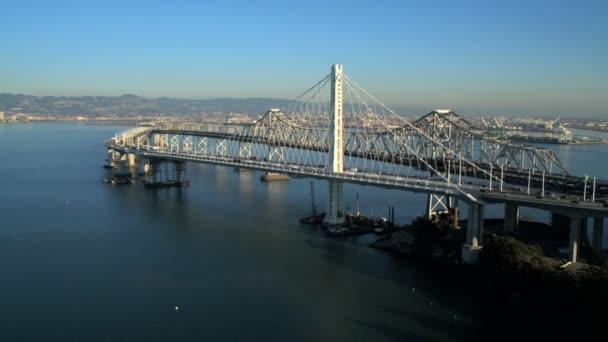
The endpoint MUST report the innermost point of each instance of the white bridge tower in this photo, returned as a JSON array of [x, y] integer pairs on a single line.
[[336, 128]]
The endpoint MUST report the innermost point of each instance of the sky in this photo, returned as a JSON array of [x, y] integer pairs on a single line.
[[537, 58]]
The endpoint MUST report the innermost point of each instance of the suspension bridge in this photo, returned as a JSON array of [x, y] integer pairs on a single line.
[[339, 132]]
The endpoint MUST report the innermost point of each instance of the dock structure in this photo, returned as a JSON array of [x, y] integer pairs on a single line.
[[274, 176]]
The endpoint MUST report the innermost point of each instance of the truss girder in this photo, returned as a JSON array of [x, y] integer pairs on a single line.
[[456, 134]]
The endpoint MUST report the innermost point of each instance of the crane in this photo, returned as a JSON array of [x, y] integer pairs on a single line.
[[484, 122], [497, 123], [550, 124], [566, 131]]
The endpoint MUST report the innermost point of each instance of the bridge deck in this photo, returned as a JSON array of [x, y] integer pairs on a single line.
[[558, 202]]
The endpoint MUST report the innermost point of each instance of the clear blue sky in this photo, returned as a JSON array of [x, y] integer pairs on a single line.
[[503, 57]]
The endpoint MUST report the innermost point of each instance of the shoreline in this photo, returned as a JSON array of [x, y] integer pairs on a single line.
[[517, 281]]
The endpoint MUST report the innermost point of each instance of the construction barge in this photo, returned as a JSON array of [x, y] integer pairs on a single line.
[[166, 184], [354, 223]]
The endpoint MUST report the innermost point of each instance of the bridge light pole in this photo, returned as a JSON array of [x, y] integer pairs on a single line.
[[593, 194], [459, 171], [529, 179], [449, 162], [585, 189], [502, 175], [543, 186], [491, 175]]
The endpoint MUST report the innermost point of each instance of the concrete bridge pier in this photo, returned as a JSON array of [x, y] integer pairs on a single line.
[[334, 204], [511, 219], [576, 228], [146, 167], [117, 156], [180, 171], [472, 246], [152, 175], [121, 162], [112, 157], [598, 235], [132, 159]]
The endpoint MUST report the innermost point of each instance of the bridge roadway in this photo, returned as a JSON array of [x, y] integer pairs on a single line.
[[366, 178], [475, 192], [558, 182]]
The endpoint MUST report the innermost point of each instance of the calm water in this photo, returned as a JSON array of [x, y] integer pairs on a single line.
[[85, 261]]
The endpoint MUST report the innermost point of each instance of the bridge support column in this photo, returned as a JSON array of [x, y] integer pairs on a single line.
[[180, 171], [154, 170], [472, 246], [112, 157], [511, 219], [121, 162], [598, 235], [333, 216], [132, 159], [576, 225]]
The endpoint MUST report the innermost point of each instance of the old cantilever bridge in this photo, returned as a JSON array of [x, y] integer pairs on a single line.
[[339, 132]]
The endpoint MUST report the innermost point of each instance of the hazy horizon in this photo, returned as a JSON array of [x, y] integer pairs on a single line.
[[511, 59], [411, 111]]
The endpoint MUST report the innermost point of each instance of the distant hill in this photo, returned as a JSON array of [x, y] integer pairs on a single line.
[[129, 104]]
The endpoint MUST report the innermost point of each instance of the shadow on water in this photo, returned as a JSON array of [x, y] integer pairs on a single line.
[[401, 269], [179, 197], [390, 332], [455, 327]]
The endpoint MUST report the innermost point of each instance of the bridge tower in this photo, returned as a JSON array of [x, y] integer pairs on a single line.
[[336, 157]]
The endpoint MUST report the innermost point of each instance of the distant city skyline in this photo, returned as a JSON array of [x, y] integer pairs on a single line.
[[514, 58]]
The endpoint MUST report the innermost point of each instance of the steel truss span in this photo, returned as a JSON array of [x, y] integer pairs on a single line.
[[440, 152]]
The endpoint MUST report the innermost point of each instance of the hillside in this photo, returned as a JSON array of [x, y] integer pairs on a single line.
[[128, 104]]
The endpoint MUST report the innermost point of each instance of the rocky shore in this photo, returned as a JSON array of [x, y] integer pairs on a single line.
[[527, 291]]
